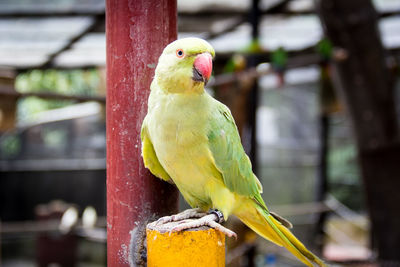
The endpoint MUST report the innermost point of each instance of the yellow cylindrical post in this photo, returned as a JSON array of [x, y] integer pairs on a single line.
[[201, 246]]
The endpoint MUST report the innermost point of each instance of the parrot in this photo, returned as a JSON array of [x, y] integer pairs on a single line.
[[190, 139]]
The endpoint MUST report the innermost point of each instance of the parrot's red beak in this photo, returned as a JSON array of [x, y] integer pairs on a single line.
[[202, 68]]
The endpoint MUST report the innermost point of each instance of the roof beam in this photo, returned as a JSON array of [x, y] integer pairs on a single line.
[[54, 96], [98, 21], [280, 8], [12, 11]]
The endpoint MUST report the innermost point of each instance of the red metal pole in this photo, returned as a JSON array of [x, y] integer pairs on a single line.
[[136, 33]]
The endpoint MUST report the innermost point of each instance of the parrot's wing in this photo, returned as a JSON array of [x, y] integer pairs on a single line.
[[229, 156], [149, 156]]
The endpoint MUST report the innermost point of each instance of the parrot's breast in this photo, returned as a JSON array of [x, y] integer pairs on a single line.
[[177, 127]]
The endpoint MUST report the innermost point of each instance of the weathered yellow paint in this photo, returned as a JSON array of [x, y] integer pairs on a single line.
[[198, 247]]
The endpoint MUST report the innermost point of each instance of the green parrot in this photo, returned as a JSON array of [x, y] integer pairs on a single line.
[[190, 139]]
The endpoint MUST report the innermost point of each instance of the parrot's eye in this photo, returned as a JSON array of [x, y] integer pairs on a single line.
[[179, 53]]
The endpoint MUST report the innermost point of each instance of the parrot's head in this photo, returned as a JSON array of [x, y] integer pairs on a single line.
[[185, 66]]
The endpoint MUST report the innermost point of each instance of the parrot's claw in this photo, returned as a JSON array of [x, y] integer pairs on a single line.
[[187, 214], [207, 220], [193, 218]]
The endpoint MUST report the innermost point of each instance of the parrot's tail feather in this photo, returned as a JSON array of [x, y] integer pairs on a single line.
[[271, 229]]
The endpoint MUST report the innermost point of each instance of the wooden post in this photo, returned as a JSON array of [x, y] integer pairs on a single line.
[[202, 246], [254, 19], [136, 33], [8, 103]]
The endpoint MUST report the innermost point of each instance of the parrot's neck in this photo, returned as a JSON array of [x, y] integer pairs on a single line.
[[177, 86]]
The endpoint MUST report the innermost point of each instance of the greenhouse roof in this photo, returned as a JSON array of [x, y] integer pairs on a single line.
[[70, 33]]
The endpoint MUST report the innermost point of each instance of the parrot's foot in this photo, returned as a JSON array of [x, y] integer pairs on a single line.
[[210, 220], [187, 214], [193, 218]]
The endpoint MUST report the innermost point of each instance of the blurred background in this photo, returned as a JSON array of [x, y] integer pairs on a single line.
[[274, 69]]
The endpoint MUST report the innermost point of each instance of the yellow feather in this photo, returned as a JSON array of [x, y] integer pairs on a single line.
[[269, 228]]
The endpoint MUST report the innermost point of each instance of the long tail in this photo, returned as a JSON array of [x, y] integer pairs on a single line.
[[264, 224]]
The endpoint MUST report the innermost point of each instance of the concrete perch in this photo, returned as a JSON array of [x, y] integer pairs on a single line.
[[201, 246]]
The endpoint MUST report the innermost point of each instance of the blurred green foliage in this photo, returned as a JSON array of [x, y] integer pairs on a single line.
[[344, 166], [344, 174], [279, 58], [68, 82], [325, 48], [10, 146]]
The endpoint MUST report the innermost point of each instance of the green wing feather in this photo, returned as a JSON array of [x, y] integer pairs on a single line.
[[229, 156], [150, 158]]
